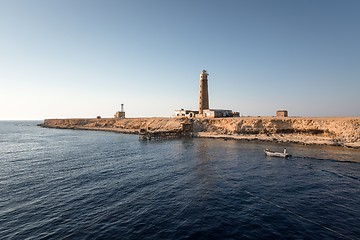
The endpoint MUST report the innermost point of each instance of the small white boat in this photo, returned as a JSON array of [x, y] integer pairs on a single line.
[[270, 153]]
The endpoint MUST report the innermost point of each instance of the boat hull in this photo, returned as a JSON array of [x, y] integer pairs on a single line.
[[276, 154]]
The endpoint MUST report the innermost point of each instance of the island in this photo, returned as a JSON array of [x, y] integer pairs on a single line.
[[335, 131]]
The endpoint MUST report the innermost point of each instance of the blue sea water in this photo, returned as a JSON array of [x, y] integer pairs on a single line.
[[67, 184]]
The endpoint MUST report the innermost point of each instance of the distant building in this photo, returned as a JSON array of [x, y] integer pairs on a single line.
[[120, 114], [219, 113], [186, 113], [281, 113]]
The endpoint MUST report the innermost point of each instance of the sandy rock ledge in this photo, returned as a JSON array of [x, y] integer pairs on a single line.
[[322, 131]]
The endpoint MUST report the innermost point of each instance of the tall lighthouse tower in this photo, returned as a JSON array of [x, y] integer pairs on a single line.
[[204, 93]]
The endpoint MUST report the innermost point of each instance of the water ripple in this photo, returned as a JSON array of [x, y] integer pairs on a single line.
[[62, 184]]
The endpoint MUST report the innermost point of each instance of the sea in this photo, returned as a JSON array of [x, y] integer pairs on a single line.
[[73, 184]]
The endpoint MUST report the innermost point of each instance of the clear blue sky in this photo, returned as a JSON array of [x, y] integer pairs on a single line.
[[81, 58]]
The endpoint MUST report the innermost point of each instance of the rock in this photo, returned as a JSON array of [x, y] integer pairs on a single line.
[[330, 131]]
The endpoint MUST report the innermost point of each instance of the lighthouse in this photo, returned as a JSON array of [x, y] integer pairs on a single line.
[[204, 93]]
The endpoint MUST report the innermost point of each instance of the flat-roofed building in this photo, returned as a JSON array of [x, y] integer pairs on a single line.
[[215, 113], [281, 113], [185, 113]]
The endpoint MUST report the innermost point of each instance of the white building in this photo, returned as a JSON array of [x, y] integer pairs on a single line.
[[185, 113]]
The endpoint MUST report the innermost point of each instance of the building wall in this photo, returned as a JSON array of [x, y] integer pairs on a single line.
[[281, 113], [215, 113], [185, 113], [119, 114]]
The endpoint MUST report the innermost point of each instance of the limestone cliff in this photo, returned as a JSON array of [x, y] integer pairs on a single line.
[[331, 131], [126, 125]]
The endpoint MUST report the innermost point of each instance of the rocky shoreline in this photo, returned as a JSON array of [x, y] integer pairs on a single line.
[[321, 131]]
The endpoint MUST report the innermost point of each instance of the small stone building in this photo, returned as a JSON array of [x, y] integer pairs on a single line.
[[119, 114], [281, 113]]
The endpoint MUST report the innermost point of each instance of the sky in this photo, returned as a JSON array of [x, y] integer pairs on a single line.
[[84, 58]]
